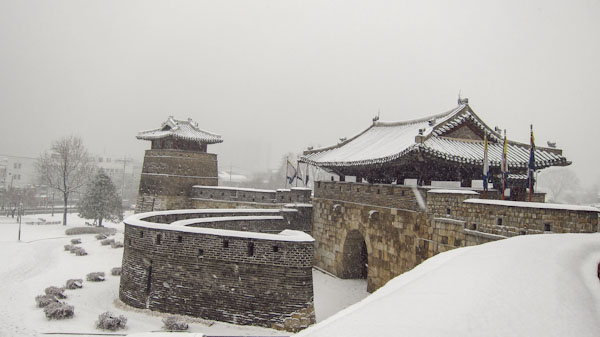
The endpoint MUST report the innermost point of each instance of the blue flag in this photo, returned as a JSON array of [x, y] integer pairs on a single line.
[[531, 171]]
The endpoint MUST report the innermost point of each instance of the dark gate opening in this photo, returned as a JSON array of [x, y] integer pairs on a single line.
[[356, 257]]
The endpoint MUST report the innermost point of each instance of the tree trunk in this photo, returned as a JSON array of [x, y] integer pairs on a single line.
[[66, 199]]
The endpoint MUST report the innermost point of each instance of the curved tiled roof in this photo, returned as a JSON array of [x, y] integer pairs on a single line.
[[384, 142], [187, 130]]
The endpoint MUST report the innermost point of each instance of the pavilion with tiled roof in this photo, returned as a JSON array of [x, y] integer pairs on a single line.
[[180, 134], [443, 147]]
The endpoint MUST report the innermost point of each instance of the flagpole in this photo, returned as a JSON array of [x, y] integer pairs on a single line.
[[287, 164], [504, 167], [531, 167]]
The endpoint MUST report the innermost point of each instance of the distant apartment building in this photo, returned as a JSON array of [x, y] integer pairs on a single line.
[[17, 171]]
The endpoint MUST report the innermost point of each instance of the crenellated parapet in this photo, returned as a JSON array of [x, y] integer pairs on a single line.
[[234, 266]]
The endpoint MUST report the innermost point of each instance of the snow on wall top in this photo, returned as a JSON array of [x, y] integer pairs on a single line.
[[188, 222], [541, 205], [286, 235], [233, 188], [187, 130], [385, 141], [447, 191]]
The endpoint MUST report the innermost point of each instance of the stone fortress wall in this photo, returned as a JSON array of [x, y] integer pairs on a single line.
[[168, 176], [184, 262], [381, 231], [250, 195]]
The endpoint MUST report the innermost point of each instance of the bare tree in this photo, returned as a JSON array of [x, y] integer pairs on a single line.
[[561, 184], [66, 168]]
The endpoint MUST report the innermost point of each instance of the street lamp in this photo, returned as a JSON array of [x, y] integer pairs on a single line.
[[20, 219]]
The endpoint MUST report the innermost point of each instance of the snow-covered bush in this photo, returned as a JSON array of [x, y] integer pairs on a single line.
[[78, 251], [108, 321], [56, 292], [44, 300], [116, 271], [107, 242], [74, 283], [116, 244], [90, 230], [68, 247], [76, 241], [59, 310], [101, 236], [95, 277], [173, 323]]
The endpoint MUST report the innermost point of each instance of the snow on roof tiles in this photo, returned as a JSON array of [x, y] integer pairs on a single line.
[[386, 141], [187, 130]]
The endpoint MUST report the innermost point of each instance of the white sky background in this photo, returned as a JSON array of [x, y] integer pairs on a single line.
[[278, 76]]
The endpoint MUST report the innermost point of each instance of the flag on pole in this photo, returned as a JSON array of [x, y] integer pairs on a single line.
[[504, 166], [530, 178], [290, 172], [307, 177], [299, 173], [486, 164]]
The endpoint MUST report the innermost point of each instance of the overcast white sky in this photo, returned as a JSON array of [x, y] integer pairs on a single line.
[[278, 76]]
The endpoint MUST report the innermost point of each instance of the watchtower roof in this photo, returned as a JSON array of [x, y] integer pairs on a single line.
[[181, 129]]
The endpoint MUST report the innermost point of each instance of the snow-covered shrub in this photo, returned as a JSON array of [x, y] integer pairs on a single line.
[[108, 321], [95, 277], [56, 292], [74, 283], [68, 247], [107, 242], [44, 300], [101, 236], [59, 310], [173, 323], [116, 244], [90, 230], [116, 271], [76, 241], [79, 251]]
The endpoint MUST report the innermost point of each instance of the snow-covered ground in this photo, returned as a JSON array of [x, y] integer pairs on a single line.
[[534, 285], [39, 261]]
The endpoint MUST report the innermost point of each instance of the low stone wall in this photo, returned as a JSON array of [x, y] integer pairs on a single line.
[[385, 195], [231, 276], [236, 194], [510, 218]]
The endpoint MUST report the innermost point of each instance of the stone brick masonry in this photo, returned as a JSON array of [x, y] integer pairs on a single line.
[[234, 279], [398, 234], [168, 176]]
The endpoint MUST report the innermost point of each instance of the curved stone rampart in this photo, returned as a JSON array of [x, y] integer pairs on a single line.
[[192, 262]]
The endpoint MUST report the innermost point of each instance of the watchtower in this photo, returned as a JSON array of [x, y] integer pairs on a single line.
[[177, 160]]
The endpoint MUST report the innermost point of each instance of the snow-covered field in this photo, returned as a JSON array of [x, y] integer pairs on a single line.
[[534, 285], [39, 261]]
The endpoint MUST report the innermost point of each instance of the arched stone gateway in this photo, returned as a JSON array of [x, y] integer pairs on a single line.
[[356, 256]]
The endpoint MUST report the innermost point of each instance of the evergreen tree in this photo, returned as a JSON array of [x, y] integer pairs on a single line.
[[101, 200]]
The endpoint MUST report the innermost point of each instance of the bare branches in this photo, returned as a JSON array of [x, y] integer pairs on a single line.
[[66, 168]]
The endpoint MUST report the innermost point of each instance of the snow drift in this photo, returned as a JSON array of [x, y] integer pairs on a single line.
[[537, 285]]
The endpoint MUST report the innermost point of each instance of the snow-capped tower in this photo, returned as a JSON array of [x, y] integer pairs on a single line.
[[176, 161]]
